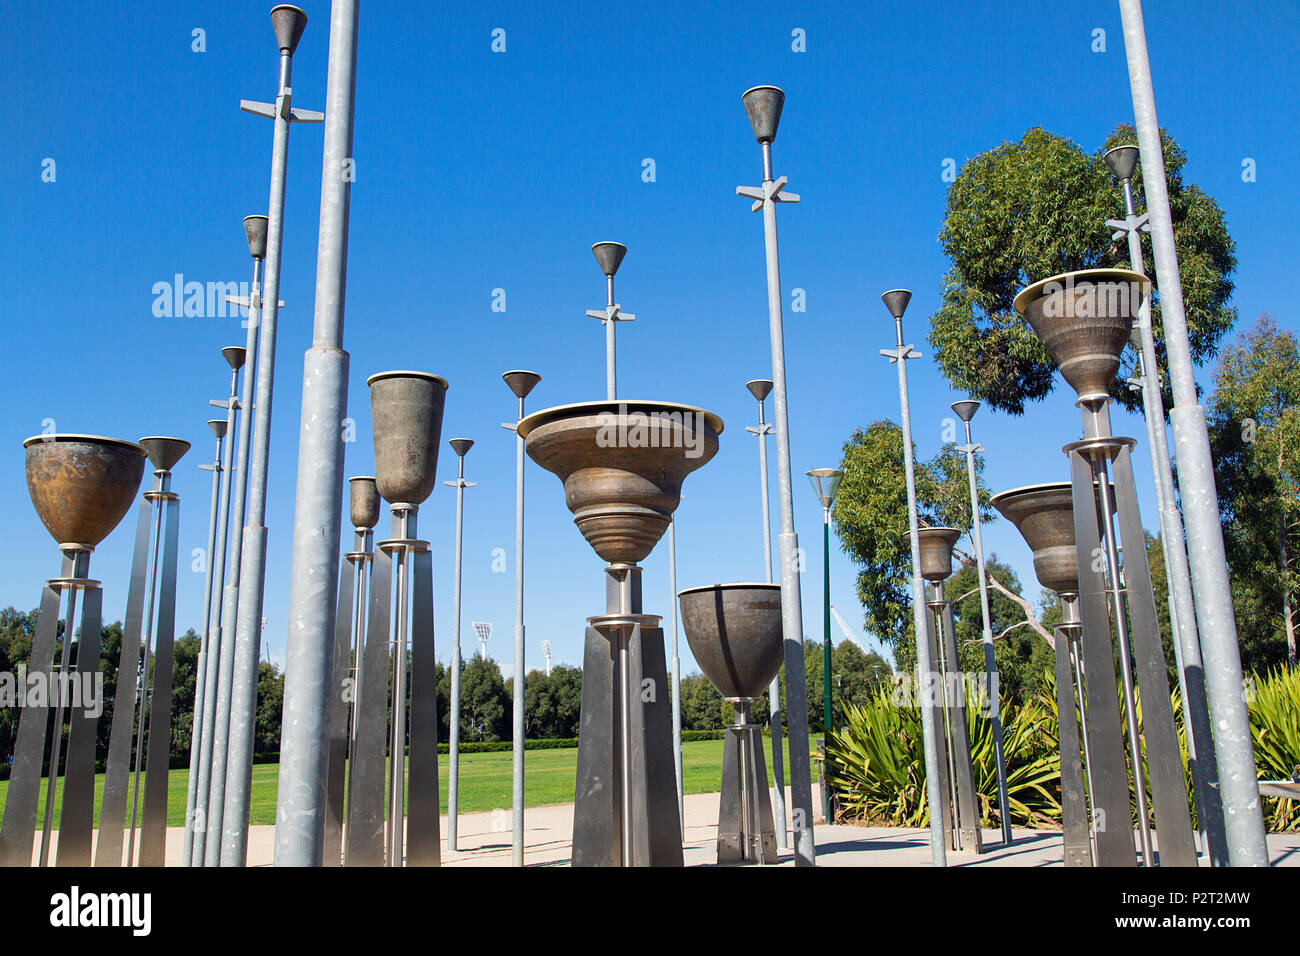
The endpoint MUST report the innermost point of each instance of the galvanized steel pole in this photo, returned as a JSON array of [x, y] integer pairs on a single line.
[[896, 301], [461, 446], [760, 389], [676, 676], [966, 411], [763, 105], [1239, 787], [313, 584], [1182, 613]]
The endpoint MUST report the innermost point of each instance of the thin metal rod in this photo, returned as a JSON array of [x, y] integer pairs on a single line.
[[397, 745], [453, 748], [774, 688], [216, 720], [611, 363], [925, 667], [625, 735], [791, 597], [990, 662], [517, 704], [313, 583], [142, 680], [1077, 659], [676, 676], [1100, 471], [828, 717], [81, 562], [232, 840], [1233, 746]]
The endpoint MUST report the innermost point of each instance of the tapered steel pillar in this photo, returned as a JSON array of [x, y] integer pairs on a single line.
[[763, 105], [520, 383], [1239, 786], [210, 799], [966, 411], [1182, 613], [317, 516], [461, 447], [760, 388], [675, 676], [896, 301]]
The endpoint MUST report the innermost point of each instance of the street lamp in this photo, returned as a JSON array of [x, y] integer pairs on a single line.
[[966, 411], [825, 483]]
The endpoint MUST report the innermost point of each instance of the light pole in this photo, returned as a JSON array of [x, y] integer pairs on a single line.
[[763, 105], [520, 383], [609, 255], [760, 388], [231, 842], [1243, 819], [461, 447], [210, 800], [1122, 161], [546, 652], [966, 411], [483, 629], [825, 483], [896, 302], [317, 526]]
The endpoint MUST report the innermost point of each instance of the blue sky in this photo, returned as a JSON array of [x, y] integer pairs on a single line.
[[479, 171]]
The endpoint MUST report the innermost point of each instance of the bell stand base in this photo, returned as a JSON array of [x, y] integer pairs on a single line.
[[1096, 462], [625, 806], [412, 837], [349, 637], [30, 745], [746, 827], [957, 772], [1074, 798]]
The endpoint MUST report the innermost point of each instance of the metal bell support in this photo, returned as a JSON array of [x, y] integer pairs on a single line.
[[947, 701], [406, 415], [1084, 320], [133, 734], [349, 660], [82, 486], [461, 447], [735, 633]]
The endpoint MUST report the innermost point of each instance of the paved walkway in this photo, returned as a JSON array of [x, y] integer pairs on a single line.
[[484, 840]]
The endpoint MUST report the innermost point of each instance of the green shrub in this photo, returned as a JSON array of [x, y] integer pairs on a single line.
[[1275, 729]]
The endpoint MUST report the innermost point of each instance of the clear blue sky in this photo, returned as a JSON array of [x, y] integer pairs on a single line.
[[481, 170]]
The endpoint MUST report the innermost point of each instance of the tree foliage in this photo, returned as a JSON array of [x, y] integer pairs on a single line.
[[1028, 210], [1255, 433]]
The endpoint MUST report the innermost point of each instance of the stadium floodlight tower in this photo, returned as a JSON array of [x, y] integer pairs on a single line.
[[406, 420], [81, 486], [546, 652], [483, 629], [1084, 320]]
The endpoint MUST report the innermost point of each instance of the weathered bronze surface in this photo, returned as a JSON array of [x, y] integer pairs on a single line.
[[622, 464], [734, 631], [1083, 319], [82, 485], [936, 552], [1044, 516], [406, 421], [363, 501]]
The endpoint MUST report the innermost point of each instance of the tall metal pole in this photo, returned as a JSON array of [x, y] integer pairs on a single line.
[[610, 256], [221, 637], [520, 383], [313, 584], [1182, 613], [966, 411], [288, 23], [896, 301], [826, 484], [1239, 787], [461, 446], [676, 676], [763, 105], [219, 428], [760, 389]]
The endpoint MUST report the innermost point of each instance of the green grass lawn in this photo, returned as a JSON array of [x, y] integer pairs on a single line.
[[484, 781]]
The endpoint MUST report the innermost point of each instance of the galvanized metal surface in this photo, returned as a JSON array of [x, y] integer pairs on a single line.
[[461, 447], [896, 301]]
